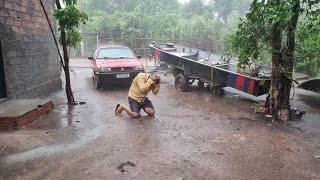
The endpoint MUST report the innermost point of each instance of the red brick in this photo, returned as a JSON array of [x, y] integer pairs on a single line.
[[35, 31], [20, 15], [41, 13], [13, 13], [39, 19], [27, 17], [25, 24], [21, 122], [8, 5], [28, 31], [7, 119], [5, 126], [37, 7], [34, 114], [6, 123], [15, 29], [16, 7], [35, 26], [17, 23], [9, 21], [25, 2], [4, 12], [22, 30], [2, 20], [23, 9]]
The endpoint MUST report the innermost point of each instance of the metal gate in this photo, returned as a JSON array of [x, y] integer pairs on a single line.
[[2, 78]]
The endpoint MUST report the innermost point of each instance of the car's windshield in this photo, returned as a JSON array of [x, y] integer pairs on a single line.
[[115, 53]]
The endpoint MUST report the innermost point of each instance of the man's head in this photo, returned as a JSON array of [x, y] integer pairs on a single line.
[[155, 78]]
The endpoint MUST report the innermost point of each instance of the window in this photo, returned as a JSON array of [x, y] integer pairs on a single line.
[[115, 53]]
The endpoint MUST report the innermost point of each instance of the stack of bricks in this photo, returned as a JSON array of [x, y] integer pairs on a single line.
[[26, 17]]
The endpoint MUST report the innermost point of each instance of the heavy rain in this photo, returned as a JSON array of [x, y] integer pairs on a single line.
[[159, 89]]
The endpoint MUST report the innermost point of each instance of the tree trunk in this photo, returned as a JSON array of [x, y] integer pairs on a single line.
[[66, 68], [275, 92], [66, 62], [282, 68]]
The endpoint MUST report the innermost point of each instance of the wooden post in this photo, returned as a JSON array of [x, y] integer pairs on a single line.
[[82, 43], [97, 41], [135, 43], [143, 46]]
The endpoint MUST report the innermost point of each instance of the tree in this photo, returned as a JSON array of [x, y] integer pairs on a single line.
[[274, 23], [69, 19], [224, 8], [195, 7], [307, 55]]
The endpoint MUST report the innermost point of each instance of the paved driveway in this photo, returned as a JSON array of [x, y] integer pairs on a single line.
[[193, 135]]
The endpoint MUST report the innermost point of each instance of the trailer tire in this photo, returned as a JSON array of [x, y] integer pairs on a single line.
[[177, 71], [181, 83], [200, 84]]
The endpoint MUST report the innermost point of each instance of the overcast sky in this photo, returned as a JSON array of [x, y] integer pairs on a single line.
[[183, 1]]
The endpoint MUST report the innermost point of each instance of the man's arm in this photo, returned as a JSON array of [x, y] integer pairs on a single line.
[[143, 85], [156, 89]]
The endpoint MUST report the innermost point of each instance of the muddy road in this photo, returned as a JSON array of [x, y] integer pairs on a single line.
[[193, 135]]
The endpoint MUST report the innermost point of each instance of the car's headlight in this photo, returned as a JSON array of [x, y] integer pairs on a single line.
[[103, 69], [138, 68]]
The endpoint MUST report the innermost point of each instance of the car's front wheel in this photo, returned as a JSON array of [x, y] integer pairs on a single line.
[[97, 82], [93, 75]]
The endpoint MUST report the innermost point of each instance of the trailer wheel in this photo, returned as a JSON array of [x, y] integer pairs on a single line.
[[176, 71], [200, 84], [191, 81], [181, 83]]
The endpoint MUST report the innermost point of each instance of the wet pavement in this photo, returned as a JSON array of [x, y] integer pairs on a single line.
[[193, 135]]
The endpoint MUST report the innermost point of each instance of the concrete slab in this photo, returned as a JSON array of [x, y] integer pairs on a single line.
[[19, 113], [16, 108]]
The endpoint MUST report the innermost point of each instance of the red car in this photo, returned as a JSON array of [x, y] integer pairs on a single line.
[[114, 64]]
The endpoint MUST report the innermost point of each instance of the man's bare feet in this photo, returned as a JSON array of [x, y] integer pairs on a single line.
[[117, 111]]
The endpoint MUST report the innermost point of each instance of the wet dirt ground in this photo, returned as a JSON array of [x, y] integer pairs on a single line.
[[193, 135]]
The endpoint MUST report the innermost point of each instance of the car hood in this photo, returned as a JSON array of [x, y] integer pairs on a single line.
[[114, 63]]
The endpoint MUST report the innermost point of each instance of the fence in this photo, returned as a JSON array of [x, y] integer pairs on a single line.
[[139, 44]]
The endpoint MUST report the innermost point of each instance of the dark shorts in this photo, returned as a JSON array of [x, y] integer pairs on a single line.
[[136, 106]]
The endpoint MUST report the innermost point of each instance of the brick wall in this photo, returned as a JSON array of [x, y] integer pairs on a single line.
[[26, 17], [31, 61]]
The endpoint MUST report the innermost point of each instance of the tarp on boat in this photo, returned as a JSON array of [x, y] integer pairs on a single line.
[[311, 85]]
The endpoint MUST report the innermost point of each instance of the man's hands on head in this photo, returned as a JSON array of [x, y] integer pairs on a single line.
[[155, 78]]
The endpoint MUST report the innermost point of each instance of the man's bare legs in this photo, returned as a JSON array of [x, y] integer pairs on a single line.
[[149, 111], [128, 110]]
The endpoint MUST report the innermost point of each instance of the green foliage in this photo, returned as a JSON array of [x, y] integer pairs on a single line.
[[308, 46], [252, 41], [161, 19], [196, 7], [69, 19], [217, 20], [224, 8]]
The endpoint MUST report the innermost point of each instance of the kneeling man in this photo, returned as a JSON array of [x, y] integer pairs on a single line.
[[141, 85]]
